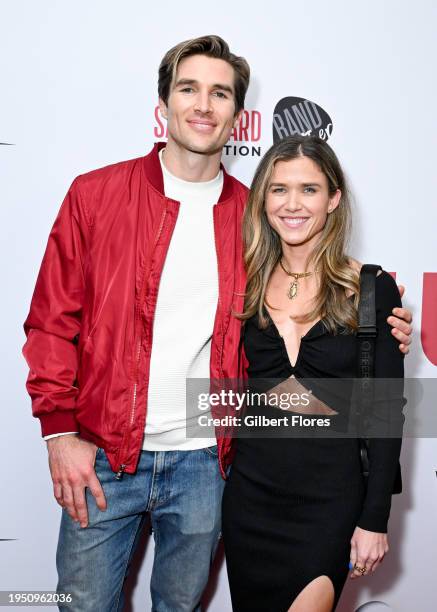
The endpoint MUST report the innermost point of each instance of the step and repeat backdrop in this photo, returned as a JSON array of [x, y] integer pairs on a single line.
[[78, 91]]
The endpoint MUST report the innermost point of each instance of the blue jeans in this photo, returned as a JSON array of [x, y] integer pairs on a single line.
[[182, 491]]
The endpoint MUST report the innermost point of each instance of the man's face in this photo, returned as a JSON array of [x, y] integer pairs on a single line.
[[201, 106]]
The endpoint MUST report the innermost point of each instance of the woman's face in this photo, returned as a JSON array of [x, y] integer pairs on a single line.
[[298, 201]]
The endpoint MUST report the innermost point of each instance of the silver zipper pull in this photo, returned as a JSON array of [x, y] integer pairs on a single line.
[[119, 474]]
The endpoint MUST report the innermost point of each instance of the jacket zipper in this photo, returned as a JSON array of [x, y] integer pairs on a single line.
[[219, 300], [122, 466], [222, 342], [119, 474]]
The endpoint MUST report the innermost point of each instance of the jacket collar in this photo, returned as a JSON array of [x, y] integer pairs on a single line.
[[152, 168]]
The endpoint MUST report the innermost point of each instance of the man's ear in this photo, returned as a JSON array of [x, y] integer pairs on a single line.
[[238, 117], [162, 108]]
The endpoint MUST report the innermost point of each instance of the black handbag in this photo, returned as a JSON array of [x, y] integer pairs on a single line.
[[366, 334]]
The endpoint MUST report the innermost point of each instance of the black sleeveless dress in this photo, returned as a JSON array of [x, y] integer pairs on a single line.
[[291, 505]]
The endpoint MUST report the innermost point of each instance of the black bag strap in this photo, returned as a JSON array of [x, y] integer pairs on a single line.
[[367, 330], [367, 333], [367, 307]]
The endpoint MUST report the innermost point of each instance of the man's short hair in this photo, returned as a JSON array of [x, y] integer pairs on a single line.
[[211, 46]]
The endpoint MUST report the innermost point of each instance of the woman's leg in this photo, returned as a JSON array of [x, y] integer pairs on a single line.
[[317, 596]]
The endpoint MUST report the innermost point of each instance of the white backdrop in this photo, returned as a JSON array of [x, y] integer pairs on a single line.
[[78, 91]]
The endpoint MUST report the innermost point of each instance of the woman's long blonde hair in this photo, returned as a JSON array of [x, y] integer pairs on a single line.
[[262, 245]]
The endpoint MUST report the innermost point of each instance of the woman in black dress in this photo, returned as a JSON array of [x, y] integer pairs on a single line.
[[296, 512]]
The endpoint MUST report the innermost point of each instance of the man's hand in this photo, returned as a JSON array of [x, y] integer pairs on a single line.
[[71, 461], [401, 323]]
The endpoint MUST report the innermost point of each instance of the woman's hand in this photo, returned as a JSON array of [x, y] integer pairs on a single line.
[[368, 549]]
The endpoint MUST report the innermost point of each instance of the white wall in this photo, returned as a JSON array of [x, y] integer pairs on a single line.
[[78, 86]]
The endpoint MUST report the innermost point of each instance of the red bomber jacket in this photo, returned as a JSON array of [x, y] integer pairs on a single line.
[[90, 326]]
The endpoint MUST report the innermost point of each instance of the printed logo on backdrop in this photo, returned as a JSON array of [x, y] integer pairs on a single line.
[[300, 116], [247, 132], [244, 138]]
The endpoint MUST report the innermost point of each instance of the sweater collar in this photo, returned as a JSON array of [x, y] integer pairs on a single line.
[[152, 168]]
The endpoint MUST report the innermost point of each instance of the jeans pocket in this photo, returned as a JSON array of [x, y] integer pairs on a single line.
[[211, 450], [100, 454]]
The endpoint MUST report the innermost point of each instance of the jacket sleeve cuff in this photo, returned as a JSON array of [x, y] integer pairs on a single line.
[[60, 421], [374, 520], [58, 435]]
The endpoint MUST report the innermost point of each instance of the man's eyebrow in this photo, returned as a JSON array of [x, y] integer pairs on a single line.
[[223, 87], [194, 82], [185, 82]]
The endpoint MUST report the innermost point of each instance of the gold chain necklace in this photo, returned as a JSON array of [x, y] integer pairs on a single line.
[[292, 291]]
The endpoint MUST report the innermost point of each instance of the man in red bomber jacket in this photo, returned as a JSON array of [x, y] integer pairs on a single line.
[[142, 271]]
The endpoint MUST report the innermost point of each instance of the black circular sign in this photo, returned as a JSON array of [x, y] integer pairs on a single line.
[[300, 116]]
